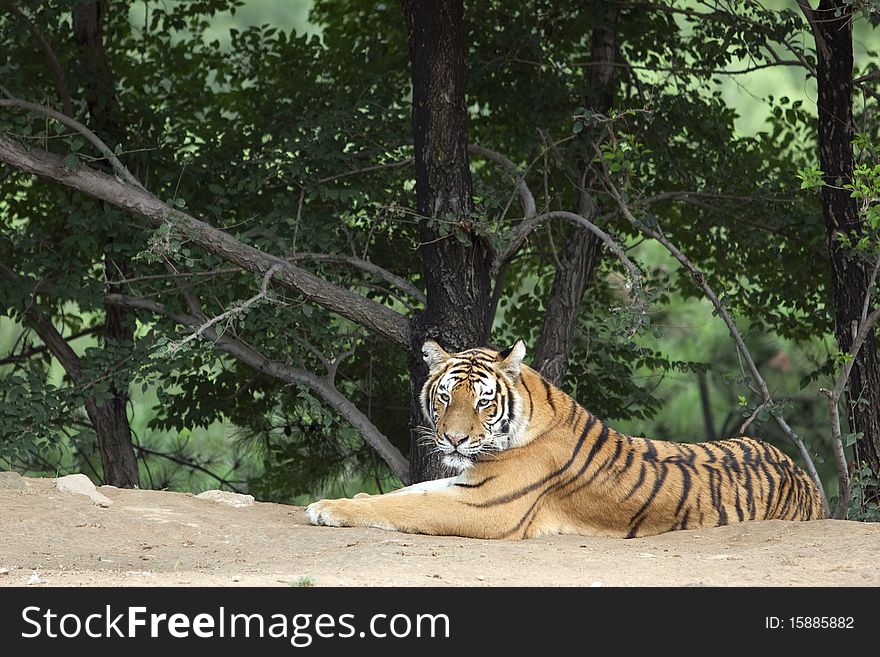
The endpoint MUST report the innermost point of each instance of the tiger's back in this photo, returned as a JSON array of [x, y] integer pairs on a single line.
[[649, 486]]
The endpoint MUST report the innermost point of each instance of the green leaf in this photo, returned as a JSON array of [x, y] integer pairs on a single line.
[[850, 439]]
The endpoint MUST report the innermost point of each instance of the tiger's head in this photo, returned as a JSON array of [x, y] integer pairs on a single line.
[[470, 402]]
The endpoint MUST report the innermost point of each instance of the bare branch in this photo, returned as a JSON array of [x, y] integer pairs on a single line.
[[864, 330], [868, 77], [36, 351], [807, 10], [192, 465], [73, 124], [138, 201], [801, 57], [861, 336], [365, 265], [331, 365], [609, 241], [376, 167], [317, 353], [817, 33], [680, 195], [191, 300], [753, 416], [526, 198], [54, 65], [872, 281], [252, 358]]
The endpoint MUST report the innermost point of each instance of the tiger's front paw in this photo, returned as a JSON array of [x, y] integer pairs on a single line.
[[327, 512], [344, 513]]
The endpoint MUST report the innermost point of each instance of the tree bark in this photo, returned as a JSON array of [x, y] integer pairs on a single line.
[[113, 430], [581, 251], [455, 259], [849, 276]]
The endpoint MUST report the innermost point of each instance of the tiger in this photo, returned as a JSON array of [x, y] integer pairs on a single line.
[[533, 462]]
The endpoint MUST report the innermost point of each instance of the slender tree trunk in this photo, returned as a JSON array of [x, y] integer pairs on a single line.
[[849, 276], [110, 419], [706, 406], [455, 260], [582, 249]]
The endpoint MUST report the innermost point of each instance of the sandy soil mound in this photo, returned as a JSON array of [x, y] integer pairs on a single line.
[[146, 538]]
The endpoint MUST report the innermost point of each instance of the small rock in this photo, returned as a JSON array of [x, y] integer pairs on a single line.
[[4, 571], [481, 578], [36, 579], [79, 484], [12, 481], [236, 500], [236, 578]]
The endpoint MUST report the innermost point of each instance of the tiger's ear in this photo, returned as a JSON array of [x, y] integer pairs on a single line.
[[434, 355], [512, 359]]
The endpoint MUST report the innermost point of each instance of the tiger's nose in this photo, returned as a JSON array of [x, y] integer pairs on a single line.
[[455, 439]]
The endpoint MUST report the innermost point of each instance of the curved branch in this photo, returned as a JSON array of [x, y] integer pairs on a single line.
[[530, 223], [54, 65], [843, 478], [365, 265], [700, 280], [192, 465], [526, 198], [45, 329], [868, 77], [518, 236], [322, 386], [375, 167], [609, 241], [73, 124], [36, 351], [138, 201]]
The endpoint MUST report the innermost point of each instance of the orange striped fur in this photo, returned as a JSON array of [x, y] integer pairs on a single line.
[[534, 462]]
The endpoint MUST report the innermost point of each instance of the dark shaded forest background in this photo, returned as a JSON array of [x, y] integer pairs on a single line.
[[384, 149]]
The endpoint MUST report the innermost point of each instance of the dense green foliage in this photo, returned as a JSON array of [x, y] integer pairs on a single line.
[[298, 143]]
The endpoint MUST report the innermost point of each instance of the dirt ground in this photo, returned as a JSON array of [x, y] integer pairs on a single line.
[[152, 538]]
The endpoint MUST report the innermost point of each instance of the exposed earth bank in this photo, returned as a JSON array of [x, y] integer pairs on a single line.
[[152, 538]]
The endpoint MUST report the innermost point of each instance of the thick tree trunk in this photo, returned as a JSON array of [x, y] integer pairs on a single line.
[[110, 419], [849, 276], [582, 249], [456, 271]]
